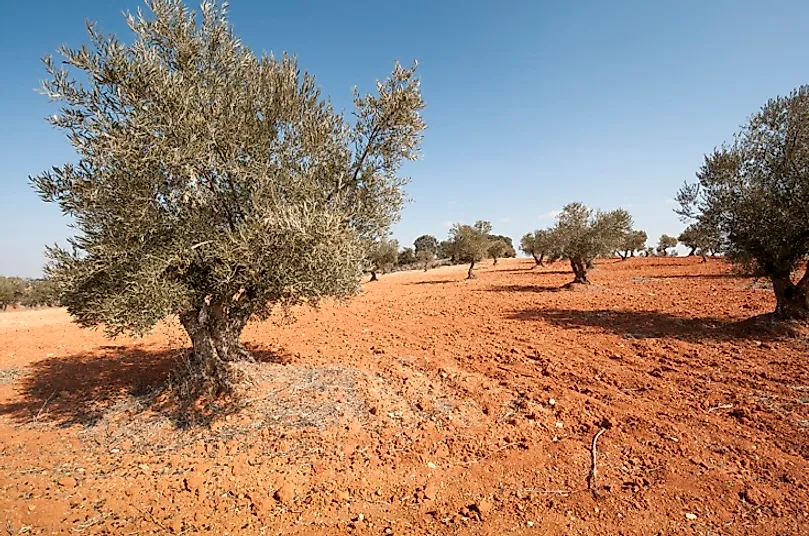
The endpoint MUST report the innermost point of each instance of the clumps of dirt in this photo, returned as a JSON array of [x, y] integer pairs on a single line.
[[9, 375], [311, 408]]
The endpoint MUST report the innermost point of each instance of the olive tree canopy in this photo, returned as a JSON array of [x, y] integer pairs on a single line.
[[212, 183], [584, 234], [701, 239], [542, 245], [755, 191], [631, 242], [665, 243], [470, 243]]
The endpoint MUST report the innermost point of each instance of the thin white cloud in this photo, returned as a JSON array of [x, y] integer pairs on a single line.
[[452, 203], [506, 220], [446, 224], [549, 215]]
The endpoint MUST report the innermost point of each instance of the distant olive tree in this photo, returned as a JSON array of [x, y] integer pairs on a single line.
[[542, 245], [701, 239], [406, 257], [382, 257], [665, 243], [40, 293], [214, 184], [583, 234], [446, 250], [426, 243], [508, 251], [630, 243], [755, 191], [470, 243], [427, 247], [497, 249], [12, 291]]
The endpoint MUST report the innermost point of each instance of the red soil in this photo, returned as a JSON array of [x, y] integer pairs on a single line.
[[430, 405]]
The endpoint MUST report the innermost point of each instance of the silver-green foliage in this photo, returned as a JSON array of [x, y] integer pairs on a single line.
[[754, 192], [470, 243], [582, 234], [210, 179]]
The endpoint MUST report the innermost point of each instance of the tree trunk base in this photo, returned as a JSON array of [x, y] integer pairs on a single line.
[[792, 301], [215, 366]]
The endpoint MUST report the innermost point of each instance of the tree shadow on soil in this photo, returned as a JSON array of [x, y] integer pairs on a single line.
[[81, 389], [525, 288], [438, 282], [653, 324]]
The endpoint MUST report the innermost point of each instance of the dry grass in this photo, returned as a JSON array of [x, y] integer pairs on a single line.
[[9, 375]]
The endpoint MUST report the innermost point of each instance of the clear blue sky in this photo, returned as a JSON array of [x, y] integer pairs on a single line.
[[530, 104]]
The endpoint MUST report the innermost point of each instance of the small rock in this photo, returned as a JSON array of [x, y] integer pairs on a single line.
[[285, 494], [431, 465], [552, 402], [67, 482], [529, 523], [691, 517], [343, 495], [483, 507], [430, 491]]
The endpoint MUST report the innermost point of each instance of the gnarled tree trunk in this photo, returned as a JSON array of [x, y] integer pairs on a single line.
[[373, 275], [792, 300], [495, 261], [579, 271], [215, 333], [537, 260], [470, 274]]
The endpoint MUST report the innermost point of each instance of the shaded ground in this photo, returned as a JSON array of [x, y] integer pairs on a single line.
[[430, 405]]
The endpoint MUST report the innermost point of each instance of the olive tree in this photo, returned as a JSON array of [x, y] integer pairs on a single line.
[[214, 184], [470, 243], [427, 248], [665, 243], [382, 257], [497, 248], [12, 291], [702, 239], [582, 234], [755, 192], [631, 242], [542, 245], [406, 257]]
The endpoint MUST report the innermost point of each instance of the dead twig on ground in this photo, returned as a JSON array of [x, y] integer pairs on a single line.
[[720, 406], [592, 481], [489, 455], [36, 418]]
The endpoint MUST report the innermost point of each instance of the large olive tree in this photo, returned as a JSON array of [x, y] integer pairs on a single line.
[[212, 183], [755, 191], [583, 234], [470, 243]]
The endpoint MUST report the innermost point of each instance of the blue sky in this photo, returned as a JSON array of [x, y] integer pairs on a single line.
[[530, 105]]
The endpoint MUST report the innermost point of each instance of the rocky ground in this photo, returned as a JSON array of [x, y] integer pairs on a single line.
[[429, 405]]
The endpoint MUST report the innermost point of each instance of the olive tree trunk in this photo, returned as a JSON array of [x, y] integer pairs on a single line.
[[579, 271], [215, 333], [792, 301], [471, 274], [538, 260], [373, 275], [495, 262]]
